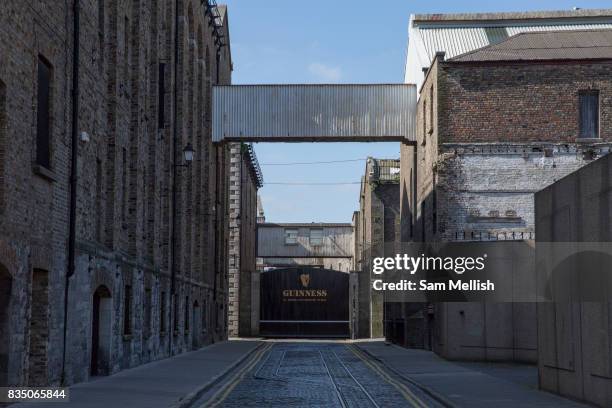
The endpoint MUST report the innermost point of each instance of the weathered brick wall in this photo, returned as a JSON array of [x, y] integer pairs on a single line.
[[488, 137], [242, 239], [519, 102], [487, 191], [248, 249], [33, 200], [125, 222]]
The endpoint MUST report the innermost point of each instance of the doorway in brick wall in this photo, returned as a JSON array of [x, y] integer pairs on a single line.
[[197, 329], [39, 329], [5, 297], [101, 331]]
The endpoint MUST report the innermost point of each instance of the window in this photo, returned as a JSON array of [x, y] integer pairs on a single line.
[[124, 186], [127, 309], [589, 114], [204, 320], [431, 112], [434, 205], [316, 237], [101, 30], [126, 47], [98, 203], [424, 119], [43, 114], [187, 314], [176, 315], [162, 313], [146, 305], [291, 236], [161, 94], [423, 222]]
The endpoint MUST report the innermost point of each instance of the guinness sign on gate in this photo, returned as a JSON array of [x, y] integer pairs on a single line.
[[304, 302]]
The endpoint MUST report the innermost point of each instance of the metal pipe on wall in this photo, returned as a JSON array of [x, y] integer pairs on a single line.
[[73, 173]]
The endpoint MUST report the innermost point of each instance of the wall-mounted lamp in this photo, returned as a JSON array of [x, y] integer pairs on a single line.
[[187, 156]]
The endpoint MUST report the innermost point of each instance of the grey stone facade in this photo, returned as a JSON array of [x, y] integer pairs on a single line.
[[244, 180], [132, 137], [377, 225]]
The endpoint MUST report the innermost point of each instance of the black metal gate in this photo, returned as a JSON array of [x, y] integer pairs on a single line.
[[304, 302]]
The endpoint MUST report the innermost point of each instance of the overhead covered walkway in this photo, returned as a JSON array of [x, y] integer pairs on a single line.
[[314, 113]]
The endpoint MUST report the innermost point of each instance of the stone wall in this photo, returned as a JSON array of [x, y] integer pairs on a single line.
[[128, 240]]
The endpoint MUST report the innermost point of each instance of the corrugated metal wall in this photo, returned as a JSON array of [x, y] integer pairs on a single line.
[[337, 242], [459, 40], [314, 112]]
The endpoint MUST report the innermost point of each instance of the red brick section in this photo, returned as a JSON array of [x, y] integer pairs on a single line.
[[519, 102]]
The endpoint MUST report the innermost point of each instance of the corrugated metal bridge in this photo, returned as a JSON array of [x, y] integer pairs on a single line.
[[314, 113]]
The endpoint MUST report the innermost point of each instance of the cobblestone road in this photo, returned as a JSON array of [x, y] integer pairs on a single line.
[[316, 375]]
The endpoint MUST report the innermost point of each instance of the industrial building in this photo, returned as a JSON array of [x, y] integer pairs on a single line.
[[113, 205], [376, 225], [508, 104], [245, 178]]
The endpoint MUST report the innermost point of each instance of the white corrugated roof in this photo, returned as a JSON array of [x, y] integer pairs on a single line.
[[457, 34]]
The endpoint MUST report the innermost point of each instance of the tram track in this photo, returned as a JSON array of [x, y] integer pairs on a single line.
[[321, 374]]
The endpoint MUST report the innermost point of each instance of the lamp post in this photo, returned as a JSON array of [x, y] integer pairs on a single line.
[[188, 158]]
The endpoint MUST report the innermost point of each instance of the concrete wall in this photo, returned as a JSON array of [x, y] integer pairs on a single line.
[[574, 335], [124, 209], [487, 330]]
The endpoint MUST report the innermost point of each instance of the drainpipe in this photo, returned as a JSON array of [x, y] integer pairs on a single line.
[[73, 174], [217, 202], [174, 179]]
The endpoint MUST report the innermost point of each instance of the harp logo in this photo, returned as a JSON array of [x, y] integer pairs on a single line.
[[305, 279]]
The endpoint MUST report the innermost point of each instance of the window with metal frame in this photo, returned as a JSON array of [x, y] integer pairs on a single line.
[[316, 236], [291, 236]]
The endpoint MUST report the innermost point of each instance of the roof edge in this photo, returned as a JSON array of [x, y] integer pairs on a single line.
[[501, 16]]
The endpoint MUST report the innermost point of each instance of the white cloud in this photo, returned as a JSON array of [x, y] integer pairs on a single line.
[[325, 73]]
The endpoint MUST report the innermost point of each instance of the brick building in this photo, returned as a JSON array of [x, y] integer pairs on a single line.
[[494, 126], [500, 123], [149, 242], [376, 226], [245, 179]]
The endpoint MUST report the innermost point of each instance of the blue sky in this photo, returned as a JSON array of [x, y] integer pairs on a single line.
[[333, 41]]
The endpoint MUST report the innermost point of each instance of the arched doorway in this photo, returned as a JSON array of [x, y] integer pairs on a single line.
[[196, 325], [101, 331], [5, 297]]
